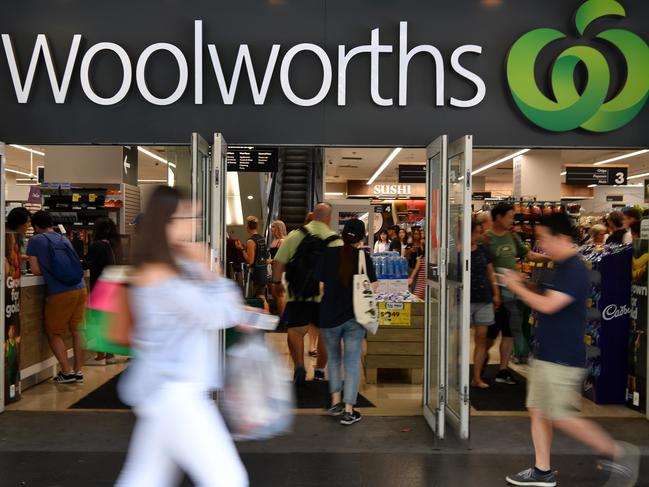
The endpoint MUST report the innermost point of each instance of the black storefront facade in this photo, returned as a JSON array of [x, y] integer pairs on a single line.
[[326, 72]]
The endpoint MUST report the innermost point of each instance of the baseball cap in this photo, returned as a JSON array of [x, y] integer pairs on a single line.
[[354, 228]]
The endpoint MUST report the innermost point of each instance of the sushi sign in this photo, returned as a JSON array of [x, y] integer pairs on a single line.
[[392, 190]]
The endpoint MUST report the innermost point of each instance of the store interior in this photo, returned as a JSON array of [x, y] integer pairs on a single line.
[[382, 186]]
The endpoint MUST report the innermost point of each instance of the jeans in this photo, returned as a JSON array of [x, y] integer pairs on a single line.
[[180, 428], [351, 334]]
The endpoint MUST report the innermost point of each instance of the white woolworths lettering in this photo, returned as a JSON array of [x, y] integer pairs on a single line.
[[228, 92], [182, 69], [127, 74], [326, 74]]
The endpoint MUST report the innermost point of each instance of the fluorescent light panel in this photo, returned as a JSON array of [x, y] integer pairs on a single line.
[[334, 194], [27, 149], [624, 156], [22, 173], [385, 164], [155, 156], [500, 161], [563, 173], [643, 175]]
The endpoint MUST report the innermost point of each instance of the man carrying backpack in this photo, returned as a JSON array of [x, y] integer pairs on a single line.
[[52, 256], [256, 256], [298, 257]]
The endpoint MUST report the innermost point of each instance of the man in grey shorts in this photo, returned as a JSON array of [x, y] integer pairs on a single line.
[[557, 371]]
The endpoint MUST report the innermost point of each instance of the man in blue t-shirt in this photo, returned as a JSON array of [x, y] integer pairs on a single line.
[[65, 304], [557, 372]]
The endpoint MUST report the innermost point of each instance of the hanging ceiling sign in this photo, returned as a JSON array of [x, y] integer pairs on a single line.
[[252, 159], [600, 175], [412, 173]]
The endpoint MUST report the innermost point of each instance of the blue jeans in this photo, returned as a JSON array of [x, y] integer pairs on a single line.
[[351, 334]]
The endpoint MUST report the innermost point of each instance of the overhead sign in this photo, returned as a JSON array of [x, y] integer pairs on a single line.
[[600, 175], [325, 72], [615, 198], [392, 190], [481, 195], [412, 173], [252, 159]]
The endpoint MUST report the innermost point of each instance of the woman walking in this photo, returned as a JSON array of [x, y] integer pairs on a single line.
[[338, 326], [178, 305]]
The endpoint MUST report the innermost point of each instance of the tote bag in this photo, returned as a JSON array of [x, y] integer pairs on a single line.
[[365, 310]]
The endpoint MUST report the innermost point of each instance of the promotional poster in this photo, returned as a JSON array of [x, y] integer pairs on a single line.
[[12, 318]]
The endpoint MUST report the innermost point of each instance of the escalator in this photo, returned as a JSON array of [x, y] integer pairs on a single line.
[[296, 184]]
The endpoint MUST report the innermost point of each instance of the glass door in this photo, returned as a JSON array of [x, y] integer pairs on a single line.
[[457, 242], [219, 199], [201, 194], [435, 331], [2, 273]]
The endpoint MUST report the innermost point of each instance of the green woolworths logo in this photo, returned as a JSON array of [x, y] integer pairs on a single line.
[[570, 108]]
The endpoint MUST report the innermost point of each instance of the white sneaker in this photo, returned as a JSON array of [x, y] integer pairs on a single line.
[[93, 361]]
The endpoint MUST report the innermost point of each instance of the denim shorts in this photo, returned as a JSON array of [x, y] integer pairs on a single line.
[[482, 314]]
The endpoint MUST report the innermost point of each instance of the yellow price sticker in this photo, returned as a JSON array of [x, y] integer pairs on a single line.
[[394, 314]]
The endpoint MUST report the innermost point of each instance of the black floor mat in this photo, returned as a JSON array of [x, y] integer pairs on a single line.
[[499, 397], [313, 395]]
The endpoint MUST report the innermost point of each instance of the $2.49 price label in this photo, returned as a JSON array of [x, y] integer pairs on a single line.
[[394, 314]]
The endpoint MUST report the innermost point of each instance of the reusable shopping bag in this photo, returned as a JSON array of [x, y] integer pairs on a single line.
[[108, 319], [365, 310], [258, 398]]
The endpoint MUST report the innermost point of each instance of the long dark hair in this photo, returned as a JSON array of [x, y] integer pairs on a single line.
[[346, 260], [151, 244], [106, 231]]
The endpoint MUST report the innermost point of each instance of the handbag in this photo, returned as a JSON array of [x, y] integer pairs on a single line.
[[108, 320], [365, 310]]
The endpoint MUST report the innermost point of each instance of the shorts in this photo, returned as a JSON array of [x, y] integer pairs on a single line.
[[302, 314], [482, 314], [508, 311], [555, 389], [65, 311]]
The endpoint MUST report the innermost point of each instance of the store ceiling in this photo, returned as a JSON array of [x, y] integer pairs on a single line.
[[343, 164]]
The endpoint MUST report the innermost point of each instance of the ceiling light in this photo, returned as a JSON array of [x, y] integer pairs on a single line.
[[27, 149], [250, 196], [592, 185], [624, 156], [152, 181], [334, 194], [22, 173], [500, 161], [155, 156], [385, 164], [643, 175], [563, 173]]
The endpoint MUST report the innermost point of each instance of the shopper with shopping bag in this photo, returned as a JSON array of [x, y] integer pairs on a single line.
[[348, 307], [178, 307]]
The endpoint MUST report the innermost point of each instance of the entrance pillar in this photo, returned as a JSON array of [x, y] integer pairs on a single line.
[[537, 174]]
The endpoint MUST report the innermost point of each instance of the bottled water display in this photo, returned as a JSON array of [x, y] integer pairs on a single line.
[[390, 265]]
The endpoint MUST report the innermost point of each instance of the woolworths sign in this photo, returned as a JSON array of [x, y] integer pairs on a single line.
[[530, 73]]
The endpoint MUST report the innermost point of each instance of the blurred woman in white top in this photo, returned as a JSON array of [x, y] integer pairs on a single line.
[[383, 243], [178, 306]]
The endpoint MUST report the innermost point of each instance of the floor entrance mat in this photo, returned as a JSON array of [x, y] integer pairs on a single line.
[[499, 397]]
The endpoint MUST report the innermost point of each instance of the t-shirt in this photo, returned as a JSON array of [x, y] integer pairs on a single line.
[[503, 250], [100, 254], [560, 336], [617, 237], [293, 240], [39, 247], [480, 286], [337, 305]]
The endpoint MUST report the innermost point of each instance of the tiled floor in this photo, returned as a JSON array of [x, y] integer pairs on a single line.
[[392, 397]]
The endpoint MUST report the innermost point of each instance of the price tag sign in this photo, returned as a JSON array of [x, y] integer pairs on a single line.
[[394, 314], [92, 197], [76, 197]]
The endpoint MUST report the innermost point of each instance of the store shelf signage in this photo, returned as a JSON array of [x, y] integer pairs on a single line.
[[600, 175], [11, 317], [412, 173], [394, 314], [252, 159]]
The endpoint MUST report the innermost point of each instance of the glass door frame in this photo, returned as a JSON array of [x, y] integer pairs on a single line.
[[3, 212], [459, 393], [219, 190], [435, 360]]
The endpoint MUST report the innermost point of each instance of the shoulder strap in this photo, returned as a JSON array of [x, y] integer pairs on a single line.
[[362, 269]]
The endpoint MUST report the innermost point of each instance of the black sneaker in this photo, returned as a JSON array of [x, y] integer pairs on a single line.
[[532, 477], [336, 410], [299, 377], [319, 375], [623, 470], [62, 378], [350, 418], [505, 377], [78, 377]]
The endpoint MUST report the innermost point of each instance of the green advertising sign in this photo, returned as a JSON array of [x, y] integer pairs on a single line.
[[571, 108]]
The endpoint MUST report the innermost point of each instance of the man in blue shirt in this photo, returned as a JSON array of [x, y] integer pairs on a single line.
[[557, 372], [64, 305]]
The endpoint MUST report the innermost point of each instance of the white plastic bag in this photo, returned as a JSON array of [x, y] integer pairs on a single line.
[[365, 309], [258, 399]]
